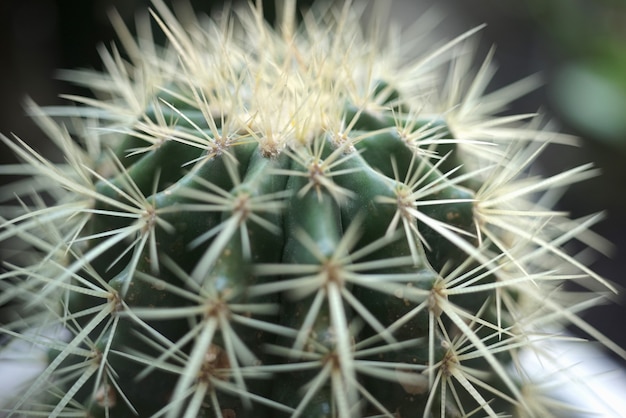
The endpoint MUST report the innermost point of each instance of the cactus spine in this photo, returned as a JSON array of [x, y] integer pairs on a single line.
[[253, 222]]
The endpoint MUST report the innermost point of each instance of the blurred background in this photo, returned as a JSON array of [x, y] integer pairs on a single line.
[[578, 45]]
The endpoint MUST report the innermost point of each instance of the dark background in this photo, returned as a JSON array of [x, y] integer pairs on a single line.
[[37, 37]]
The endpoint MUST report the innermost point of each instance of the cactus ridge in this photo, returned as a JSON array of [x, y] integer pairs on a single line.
[[291, 222]]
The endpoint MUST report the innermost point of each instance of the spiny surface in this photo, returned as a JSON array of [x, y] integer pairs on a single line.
[[289, 222]]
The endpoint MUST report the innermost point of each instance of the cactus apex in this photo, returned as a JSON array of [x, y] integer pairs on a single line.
[[289, 221]]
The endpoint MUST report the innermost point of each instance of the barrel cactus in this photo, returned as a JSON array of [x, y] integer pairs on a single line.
[[289, 220]]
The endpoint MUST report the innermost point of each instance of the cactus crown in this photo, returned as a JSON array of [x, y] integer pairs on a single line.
[[289, 222]]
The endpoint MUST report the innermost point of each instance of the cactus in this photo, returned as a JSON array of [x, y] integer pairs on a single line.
[[290, 222]]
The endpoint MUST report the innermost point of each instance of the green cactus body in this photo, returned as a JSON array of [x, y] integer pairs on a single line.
[[284, 224]]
